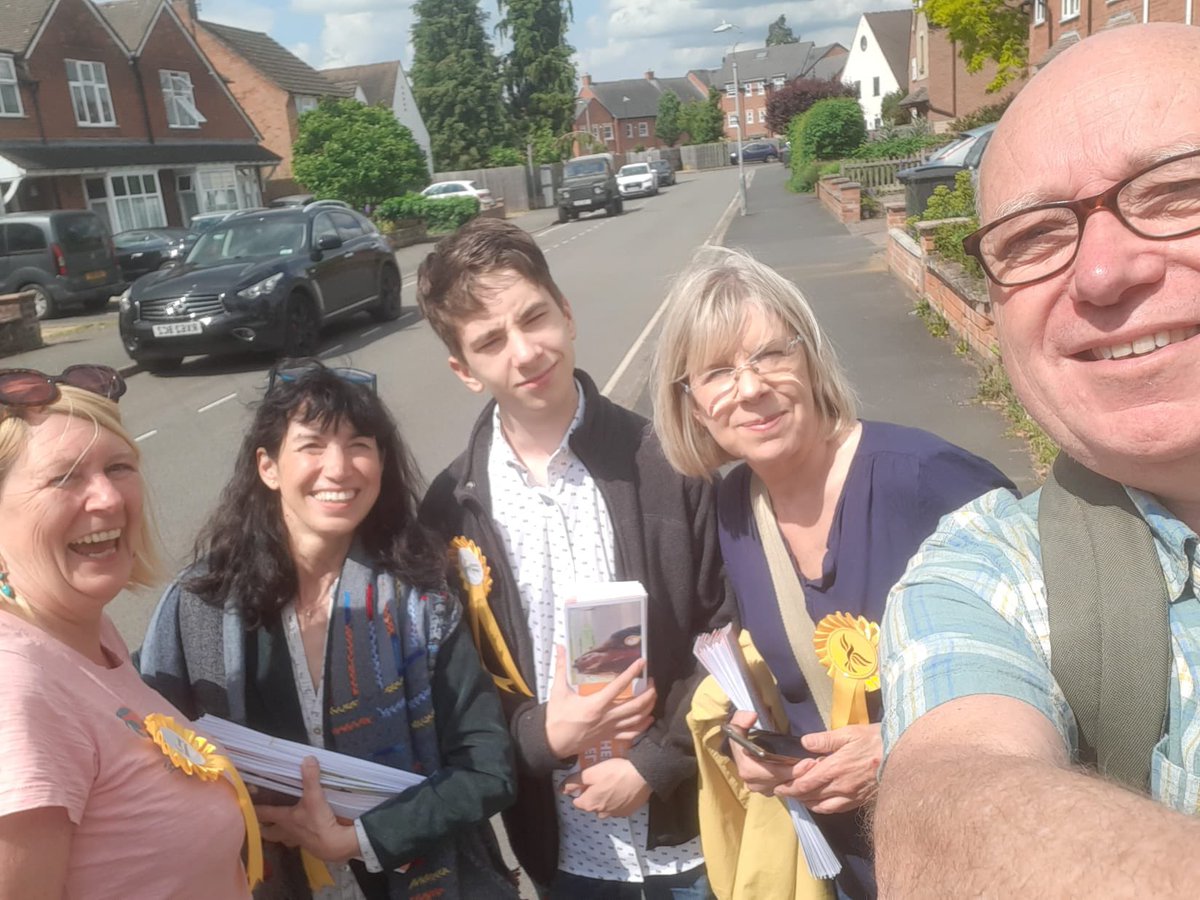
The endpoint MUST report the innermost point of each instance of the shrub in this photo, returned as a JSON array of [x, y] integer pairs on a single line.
[[982, 116], [797, 98], [505, 156], [804, 177], [439, 215], [899, 146], [947, 240], [949, 204], [831, 129]]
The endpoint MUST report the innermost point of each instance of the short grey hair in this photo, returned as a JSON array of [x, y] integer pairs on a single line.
[[705, 316]]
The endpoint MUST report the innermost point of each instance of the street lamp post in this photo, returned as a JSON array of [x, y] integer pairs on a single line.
[[737, 111]]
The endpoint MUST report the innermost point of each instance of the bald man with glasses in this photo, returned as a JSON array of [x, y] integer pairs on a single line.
[[1041, 657]]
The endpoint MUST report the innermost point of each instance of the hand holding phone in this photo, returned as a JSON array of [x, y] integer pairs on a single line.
[[768, 746]]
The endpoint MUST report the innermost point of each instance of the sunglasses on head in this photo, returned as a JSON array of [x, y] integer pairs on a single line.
[[29, 388], [294, 371]]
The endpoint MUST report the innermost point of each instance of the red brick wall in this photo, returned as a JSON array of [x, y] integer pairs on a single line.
[[168, 48], [75, 32], [905, 261], [594, 114], [754, 102], [967, 319], [1094, 15]]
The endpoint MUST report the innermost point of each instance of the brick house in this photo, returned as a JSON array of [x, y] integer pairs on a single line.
[[385, 84], [272, 84], [623, 113], [115, 108], [762, 71], [878, 60], [1055, 25], [940, 89]]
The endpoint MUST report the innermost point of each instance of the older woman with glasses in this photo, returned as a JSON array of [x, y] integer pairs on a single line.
[[89, 805], [317, 611], [817, 520]]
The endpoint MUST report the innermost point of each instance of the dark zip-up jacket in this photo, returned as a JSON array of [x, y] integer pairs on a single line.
[[665, 536]]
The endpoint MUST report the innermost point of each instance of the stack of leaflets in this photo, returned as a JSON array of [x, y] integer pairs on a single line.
[[721, 654], [353, 786], [605, 628]]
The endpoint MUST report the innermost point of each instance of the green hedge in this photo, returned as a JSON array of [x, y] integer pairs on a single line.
[[439, 215], [900, 147], [831, 129]]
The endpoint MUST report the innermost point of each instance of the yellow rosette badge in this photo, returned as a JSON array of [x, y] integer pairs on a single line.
[[848, 648], [196, 756], [476, 576]]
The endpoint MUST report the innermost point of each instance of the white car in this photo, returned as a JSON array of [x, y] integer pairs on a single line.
[[442, 189], [637, 179]]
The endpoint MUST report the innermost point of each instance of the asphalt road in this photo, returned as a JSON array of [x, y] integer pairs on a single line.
[[190, 423]]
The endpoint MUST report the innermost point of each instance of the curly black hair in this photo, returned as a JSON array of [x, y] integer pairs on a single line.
[[242, 553]]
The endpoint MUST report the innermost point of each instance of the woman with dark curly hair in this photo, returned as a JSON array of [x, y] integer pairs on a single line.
[[316, 610]]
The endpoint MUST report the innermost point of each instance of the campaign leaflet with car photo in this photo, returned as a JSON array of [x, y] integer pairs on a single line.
[[605, 634]]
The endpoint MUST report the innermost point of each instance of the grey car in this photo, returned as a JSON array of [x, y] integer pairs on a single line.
[[65, 258], [666, 172]]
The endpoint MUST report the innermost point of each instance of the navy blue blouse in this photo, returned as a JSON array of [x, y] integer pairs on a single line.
[[900, 483]]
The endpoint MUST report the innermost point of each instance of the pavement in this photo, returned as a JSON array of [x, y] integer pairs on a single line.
[[901, 373]]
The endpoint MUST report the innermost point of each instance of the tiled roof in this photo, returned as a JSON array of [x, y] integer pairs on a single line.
[[19, 21], [786, 60], [892, 29], [829, 63], [1071, 37], [280, 65], [637, 98], [130, 19], [378, 81], [917, 97]]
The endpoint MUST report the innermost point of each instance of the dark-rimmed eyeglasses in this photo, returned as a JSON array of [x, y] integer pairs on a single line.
[[294, 370], [714, 386], [31, 389], [1160, 203]]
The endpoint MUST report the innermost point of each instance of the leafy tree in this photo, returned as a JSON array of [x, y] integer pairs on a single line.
[[831, 129], [798, 97], [890, 109], [667, 125], [996, 30], [505, 156], [456, 82], [780, 33], [356, 153], [982, 116], [539, 75], [703, 120]]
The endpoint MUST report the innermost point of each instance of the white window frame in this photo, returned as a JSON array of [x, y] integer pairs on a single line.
[[10, 88], [778, 81], [762, 115], [748, 87], [1070, 10], [749, 117], [217, 190], [84, 85], [731, 120], [306, 103], [643, 129], [760, 87], [730, 90], [629, 129], [875, 86], [1039, 12], [179, 97], [129, 210], [608, 132]]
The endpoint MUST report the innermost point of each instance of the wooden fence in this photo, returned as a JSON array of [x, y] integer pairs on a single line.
[[879, 175]]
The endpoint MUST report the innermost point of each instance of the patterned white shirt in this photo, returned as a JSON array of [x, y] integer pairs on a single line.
[[557, 536]]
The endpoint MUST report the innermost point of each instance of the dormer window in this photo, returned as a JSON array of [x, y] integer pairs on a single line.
[[179, 99], [305, 103], [90, 96], [10, 91]]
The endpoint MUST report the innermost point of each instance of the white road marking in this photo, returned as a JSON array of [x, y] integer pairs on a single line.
[[149, 434], [332, 350], [371, 331], [224, 399]]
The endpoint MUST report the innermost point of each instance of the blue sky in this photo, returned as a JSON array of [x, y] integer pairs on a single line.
[[613, 38]]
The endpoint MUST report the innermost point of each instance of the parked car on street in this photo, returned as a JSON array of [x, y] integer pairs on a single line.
[[65, 258], [637, 180], [291, 200], [664, 170], [145, 250], [941, 168], [588, 183], [261, 280], [440, 190], [755, 151]]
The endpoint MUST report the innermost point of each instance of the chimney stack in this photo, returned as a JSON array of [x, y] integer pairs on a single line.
[[587, 80], [649, 74]]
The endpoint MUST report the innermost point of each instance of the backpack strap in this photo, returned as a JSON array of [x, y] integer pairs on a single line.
[[1109, 634]]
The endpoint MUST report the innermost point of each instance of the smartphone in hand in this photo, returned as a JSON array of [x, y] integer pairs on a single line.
[[769, 746]]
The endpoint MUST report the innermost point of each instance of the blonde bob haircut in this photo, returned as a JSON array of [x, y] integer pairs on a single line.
[[103, 413], [706, 310]]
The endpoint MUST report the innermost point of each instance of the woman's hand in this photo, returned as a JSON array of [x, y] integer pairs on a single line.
[[761, 776], [845, 776], [574, 721], [311, 824]]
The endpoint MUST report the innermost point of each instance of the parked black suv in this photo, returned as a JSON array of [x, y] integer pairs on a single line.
[[262, 280], [589, 182], [63, 257]]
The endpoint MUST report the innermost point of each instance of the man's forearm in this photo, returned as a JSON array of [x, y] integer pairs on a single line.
[[950, 823]]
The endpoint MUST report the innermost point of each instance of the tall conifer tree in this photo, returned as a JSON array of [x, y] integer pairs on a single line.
[[539, 76]]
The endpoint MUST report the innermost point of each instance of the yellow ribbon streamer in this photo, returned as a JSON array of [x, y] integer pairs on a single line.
[[476, 577], [196, 756], [848, 648], [315, 871]]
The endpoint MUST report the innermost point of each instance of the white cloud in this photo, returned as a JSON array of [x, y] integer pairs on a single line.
[[350, 39], [253, 16], [304, 50]]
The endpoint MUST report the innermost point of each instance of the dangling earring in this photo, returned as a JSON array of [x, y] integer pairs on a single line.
[[5, 588]]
